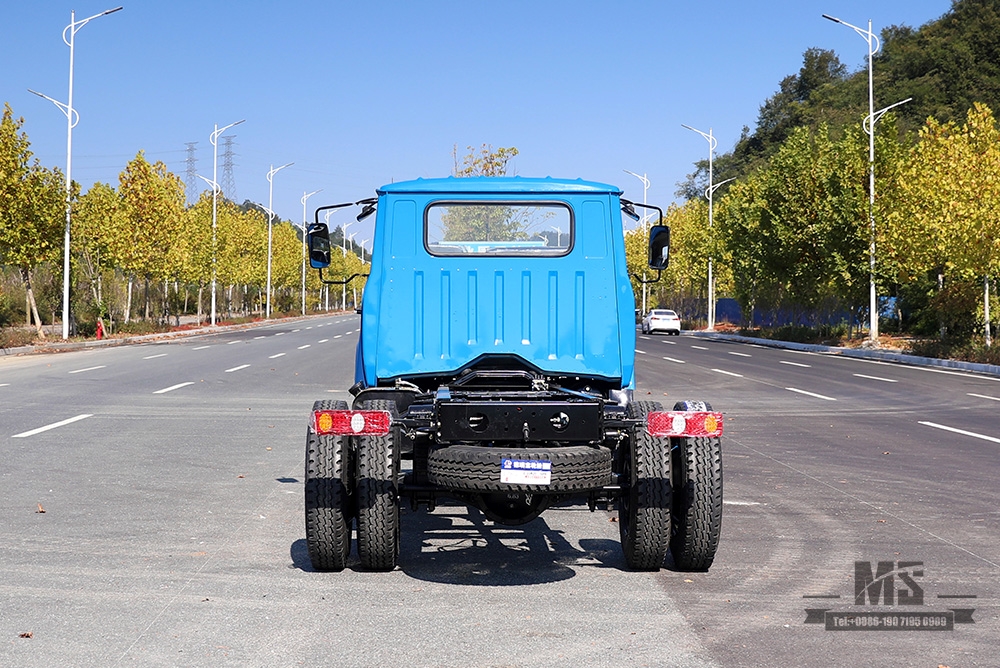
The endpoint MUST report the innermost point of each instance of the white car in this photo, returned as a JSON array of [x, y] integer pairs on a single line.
[[661, 320]]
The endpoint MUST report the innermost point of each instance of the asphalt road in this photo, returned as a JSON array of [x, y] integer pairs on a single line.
[[172, 529]]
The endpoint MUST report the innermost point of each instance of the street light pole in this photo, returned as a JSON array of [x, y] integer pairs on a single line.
[[305, 196], [343, 250], [873, 46], [70, 112], [214, 139], [270, 223], [712, 143], [645, 218]]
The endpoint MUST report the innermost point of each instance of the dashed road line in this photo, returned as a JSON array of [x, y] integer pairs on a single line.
[[54, 425], [728, 373], [274, 357], [699, 347], [232, 342], [810, 394], [884, 380], [984, 396], [671, 359], [805, 366], [960, 431], [641, 352], [237, 368], [173, 387], [201, 347], [740, 354], [322, 340], [153, 357], [305, 346], [90, 368]]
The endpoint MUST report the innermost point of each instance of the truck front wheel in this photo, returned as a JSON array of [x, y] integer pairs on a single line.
[[644, 504], [328, 501], [377, 494], [697, 497]]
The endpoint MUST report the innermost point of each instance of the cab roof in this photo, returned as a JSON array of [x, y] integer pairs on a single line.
[[499, 184]]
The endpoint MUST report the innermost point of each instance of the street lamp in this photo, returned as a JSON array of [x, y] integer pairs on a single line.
[[869, 124], [70, 112], [558, 231], [343, 250], [214, 138], [645, 217], [270, 223], [305, 196], [712, 143]]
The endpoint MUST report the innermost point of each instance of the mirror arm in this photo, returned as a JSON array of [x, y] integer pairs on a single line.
[[343, 282], [638, 277]]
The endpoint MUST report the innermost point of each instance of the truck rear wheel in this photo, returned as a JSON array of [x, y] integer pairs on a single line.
[[377, 494], [697, 497], [644, 504], [328, 501]]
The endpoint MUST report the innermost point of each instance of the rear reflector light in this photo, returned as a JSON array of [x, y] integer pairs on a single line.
[[684, 423], [351, 423]]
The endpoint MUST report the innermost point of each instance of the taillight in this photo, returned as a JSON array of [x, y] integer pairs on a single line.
[[684, 423], [351, 423]]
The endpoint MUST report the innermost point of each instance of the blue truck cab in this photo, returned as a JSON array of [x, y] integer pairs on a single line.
[[496, 366]]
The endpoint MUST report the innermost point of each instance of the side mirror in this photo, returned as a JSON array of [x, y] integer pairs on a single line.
[[318, 239], [659, 247]]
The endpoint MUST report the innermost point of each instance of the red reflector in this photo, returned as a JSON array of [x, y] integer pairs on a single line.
[[351, 423], [684, 423]]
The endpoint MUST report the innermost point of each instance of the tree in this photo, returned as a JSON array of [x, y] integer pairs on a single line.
[[489, 162], [32, 208], [949, 218]]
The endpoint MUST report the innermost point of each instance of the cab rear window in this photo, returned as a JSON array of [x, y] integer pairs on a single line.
[[498, 228]]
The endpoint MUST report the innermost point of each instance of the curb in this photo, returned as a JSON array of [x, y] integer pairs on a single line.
[[880, 355], [45, 348]]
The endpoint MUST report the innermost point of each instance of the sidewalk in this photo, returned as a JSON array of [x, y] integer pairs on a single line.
[[57, 345], [859, 353]]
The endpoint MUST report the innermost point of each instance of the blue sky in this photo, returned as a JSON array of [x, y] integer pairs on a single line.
[[358, 94]]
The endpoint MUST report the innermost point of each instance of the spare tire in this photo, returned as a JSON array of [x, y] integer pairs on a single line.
[[477, 468]]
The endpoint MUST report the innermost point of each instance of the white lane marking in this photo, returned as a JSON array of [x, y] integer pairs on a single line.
[[672, 343], [237, 368], [699, 347], [740, 354], [319, 325], [884, 380], [754, 345], [805, 352], [806, 366], [201, 347], [153, 357], [983, 396], [671, 359], [641, 352], [304, 347], [296, 330], [644, 338], [960, 431], [89, 368], [259, 337], [322, 340], [810, 394], [338, 336], [173, 387], [308, 328], [349, 332], [25, 434], [728, 373], [232, 342], [4, 384], [280, 334], [740, 503], [273, 357]]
